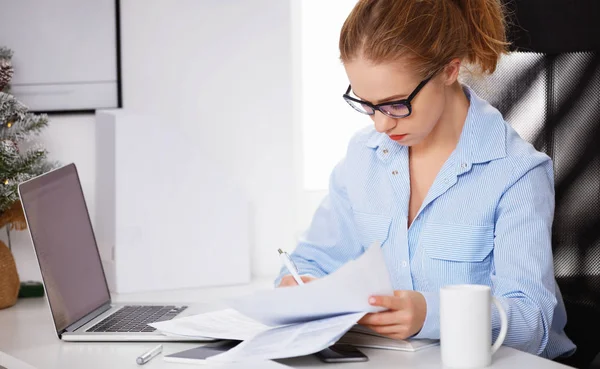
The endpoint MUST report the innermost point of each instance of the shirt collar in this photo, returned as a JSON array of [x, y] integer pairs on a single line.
[[375, 139], [483, 137]]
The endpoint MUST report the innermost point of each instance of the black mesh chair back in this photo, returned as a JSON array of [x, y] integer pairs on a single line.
[[553, 101]]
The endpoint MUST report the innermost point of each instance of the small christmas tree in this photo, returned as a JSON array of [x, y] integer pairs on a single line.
[[20, 157], [20, 160]]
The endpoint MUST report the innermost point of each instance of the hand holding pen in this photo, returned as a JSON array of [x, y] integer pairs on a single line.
[[294, 278]]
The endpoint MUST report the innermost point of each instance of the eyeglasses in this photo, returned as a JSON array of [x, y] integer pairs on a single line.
[[395, 109]]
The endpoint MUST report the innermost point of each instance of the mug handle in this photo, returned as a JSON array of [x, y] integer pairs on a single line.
[[503, 325]]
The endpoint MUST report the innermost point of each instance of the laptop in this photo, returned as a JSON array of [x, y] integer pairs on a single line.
[[72, 272]]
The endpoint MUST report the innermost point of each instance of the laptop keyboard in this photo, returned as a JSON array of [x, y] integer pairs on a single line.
[[135, 318]]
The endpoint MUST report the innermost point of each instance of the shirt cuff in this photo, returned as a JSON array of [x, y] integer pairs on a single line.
[[431, 326]]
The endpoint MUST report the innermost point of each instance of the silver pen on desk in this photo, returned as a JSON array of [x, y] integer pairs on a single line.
[[149, 355]]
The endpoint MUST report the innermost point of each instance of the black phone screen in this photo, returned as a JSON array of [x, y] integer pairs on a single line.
[[206, 351]]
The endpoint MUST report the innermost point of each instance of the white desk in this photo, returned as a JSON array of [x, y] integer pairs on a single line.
[[27, 333]]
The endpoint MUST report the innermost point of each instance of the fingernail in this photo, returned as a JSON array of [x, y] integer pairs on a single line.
[[371, 300]]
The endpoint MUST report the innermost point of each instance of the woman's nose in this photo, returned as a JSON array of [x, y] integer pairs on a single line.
[[383, 123]]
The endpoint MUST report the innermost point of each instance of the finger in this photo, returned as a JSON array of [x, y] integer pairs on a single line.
[[387, 329], [400, 293], [287, 281], [384, 318], [395, 331], [388, 302], [307, 278], [366, 319]]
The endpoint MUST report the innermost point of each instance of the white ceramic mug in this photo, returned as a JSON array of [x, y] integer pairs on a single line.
[[466, 326]]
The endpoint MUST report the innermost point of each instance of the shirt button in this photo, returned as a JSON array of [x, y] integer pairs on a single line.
[[464, 165], [404, 264], [394, 172], [446, 180], [385, 151]]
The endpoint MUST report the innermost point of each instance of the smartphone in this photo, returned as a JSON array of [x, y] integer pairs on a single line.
[[199, 354], [341, 353]]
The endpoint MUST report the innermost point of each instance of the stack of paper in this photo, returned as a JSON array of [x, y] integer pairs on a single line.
[[223, 324], [296, 321], [291, 340]]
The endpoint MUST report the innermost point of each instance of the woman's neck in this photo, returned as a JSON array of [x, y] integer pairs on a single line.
[[445, 135]]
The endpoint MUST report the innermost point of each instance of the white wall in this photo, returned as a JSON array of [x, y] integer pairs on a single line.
[[328, 122], [222, 72]]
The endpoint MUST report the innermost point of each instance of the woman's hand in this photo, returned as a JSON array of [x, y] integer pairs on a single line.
[[288, 280], [404, 318]]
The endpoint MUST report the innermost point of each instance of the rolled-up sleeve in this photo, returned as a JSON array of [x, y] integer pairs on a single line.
[[523, 276], [331, 240], [431, 326]]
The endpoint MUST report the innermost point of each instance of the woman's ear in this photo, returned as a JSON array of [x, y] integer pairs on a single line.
[[451, 71]]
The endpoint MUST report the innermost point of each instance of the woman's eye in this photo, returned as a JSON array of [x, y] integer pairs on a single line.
[[398, 107]]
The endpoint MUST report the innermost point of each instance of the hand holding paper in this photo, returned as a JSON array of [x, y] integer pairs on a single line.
[[404, 317], [300, 320], [345, 291]]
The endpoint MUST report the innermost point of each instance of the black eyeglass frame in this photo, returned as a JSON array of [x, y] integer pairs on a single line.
[[406, 102]]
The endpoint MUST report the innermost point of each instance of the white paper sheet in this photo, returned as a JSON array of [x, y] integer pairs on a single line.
[[292, 340], [10, 362], [343, 292], [222, 324]]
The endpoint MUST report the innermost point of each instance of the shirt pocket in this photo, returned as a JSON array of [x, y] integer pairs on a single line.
[[372, 228], [457, 253]]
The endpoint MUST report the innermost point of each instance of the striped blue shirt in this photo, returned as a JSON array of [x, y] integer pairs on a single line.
[[486, 219]]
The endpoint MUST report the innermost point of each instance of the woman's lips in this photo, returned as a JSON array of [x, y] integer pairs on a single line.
[[397, 137]]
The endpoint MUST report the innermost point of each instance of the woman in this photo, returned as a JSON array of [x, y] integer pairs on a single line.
[[451, 191]]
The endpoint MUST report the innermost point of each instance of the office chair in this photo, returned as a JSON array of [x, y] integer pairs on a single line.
[[548, 89], [553, 101]]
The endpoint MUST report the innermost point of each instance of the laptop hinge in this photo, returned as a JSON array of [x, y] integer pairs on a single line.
[[83, 321]]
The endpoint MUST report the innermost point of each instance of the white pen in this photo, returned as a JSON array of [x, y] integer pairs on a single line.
[[289, 264], [147, 356]]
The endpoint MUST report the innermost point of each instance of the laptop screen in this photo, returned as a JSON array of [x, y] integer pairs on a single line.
[[65, 245]]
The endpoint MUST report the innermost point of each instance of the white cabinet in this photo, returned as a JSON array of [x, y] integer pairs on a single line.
[[167, 216]]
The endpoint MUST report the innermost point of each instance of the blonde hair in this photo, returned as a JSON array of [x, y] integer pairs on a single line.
[[427, 33]]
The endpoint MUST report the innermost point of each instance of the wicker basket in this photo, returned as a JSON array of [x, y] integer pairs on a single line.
[[14, 219], [9, 278]]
